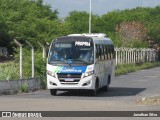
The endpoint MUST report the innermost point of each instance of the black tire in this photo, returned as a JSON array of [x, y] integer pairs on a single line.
[[106, 88], [53, 92], [94, 92]]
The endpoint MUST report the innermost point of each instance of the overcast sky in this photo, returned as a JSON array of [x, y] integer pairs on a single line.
[[99, 7]]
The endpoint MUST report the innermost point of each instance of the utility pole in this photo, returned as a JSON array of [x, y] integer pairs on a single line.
[[90, 17]]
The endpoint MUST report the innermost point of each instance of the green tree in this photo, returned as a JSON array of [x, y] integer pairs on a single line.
[[78, 21], [26, 20]]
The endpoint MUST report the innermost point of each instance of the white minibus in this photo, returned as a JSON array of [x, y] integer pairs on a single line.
[[80, 62]]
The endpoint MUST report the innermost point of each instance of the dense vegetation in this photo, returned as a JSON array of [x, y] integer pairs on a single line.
[[148, 18], [28, 20], [33, 21]]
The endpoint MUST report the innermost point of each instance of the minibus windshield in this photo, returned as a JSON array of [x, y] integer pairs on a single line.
[[73, 52]]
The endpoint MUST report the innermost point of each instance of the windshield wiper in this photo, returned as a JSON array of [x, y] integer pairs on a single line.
[[81, 61], [63, 61]]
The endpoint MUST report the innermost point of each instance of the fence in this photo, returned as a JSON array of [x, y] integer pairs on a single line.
[[123, 56], [135, 55], [3, 51]]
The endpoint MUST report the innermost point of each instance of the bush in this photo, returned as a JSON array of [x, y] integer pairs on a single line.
[[24, 88], [39, 65]]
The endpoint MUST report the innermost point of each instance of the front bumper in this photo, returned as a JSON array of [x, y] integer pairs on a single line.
[[84, 83]]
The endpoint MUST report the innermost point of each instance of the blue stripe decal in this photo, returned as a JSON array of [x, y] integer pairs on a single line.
[[73, 70]]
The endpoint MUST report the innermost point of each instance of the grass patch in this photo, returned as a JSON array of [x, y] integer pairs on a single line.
[[127, 68], [9, 71], [24, 88]]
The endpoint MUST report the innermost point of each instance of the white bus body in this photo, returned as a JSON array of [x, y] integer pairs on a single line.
[[75, 71]]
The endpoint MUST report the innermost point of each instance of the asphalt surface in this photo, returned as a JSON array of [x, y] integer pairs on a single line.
[[124, 92]]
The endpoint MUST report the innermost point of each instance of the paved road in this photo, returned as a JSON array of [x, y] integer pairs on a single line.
[[124, 91]]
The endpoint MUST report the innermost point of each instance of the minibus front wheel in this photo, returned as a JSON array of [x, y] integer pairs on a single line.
[[94, 91], [53, 92]]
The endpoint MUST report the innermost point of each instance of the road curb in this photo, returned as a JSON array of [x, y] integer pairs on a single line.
[[14, 86], [8, 92]]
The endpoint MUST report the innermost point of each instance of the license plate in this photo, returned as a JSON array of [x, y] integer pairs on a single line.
[[69, 79]]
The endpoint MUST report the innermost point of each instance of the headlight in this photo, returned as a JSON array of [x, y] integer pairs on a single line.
[[88, 73], [51, 73]]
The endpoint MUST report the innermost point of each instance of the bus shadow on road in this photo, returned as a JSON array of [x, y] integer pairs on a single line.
[[121, 91], [112, 92]]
